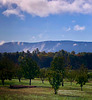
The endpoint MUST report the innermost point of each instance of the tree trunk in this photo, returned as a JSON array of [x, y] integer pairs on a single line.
[[55, 91], [81, 87], [19, 80], [42, 81], [62, 83], [3, 82], [30, 82]]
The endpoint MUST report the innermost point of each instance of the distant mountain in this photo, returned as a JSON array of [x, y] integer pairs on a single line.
[[48, 46]]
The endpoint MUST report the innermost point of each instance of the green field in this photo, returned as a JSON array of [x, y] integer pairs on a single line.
[[44, 91]]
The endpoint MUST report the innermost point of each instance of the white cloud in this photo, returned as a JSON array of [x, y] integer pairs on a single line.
[[12, 41], [13, 12], [42, 47], [58, 44], [18, 43], [75, 44], [44, 8], [22, 43], [26, 49], [68, 29], [79, 28], [2, 42]]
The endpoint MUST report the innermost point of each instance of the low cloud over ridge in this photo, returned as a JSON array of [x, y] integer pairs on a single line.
[[2, 42], [44, 8]]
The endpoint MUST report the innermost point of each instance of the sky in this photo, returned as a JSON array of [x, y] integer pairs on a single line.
[[45, 20]]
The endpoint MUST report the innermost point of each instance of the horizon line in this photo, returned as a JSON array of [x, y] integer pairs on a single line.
[[45, 41]]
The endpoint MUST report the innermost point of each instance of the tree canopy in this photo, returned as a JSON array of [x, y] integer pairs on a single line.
[[82, 76], [30, 68]]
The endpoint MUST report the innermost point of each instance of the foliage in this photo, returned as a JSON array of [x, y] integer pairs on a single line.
[[58, 65], [44, 59], [70, 74], [90, 75], [42, 74], [55, 80], [30, 68], [82, 77], [57, 60], [19, 72], [6, 69]]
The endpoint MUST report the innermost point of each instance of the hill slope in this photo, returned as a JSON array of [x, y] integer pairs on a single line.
[[48, 46]]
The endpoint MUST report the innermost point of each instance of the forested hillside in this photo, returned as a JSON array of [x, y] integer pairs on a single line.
[[44, 59]]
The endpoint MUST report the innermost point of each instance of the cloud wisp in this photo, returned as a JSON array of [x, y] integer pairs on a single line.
[[44, 8], [68, 29], [2, 42], [79, 28]]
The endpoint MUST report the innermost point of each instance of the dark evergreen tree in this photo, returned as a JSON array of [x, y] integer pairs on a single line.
[[6, 69]]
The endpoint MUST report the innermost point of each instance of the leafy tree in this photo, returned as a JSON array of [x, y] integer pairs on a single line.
[[19, 72], [82, 77], [6, 69], [70, 74], [73, 52], [61, 53], [36, 51], [90, 75], [30, 68], [55, 79], [58, 65], [42, 74]]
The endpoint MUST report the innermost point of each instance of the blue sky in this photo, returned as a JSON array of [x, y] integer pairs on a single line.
[[43, 20]]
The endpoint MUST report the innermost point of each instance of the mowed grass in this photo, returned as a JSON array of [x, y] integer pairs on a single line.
[[44, 91]]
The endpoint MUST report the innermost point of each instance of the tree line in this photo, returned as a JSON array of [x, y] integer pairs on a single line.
[[54, 66], [44, 59]]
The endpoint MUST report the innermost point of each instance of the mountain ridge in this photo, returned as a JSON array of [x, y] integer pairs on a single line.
[[47, 46]]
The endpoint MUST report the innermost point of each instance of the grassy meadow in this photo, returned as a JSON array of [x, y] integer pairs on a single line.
[[44, 91]]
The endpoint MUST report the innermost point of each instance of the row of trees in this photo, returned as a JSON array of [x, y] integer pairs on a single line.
[[44, 59], [28, 68], [60, 72]]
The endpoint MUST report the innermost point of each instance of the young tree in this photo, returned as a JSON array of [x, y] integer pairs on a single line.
[[70, 74], [82, 77], [55, 79], [58, 65], [42, 74], [19, 72], [30, 68]]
